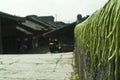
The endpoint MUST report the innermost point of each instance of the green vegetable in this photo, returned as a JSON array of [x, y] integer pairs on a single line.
[[100, 36]]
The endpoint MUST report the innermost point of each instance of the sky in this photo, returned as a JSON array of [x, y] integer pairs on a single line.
[[62, 10]]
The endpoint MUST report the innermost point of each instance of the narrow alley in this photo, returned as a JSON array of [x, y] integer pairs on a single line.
[[57, 66]]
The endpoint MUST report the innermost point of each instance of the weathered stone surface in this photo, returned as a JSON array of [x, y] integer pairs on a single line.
[[36, 66]]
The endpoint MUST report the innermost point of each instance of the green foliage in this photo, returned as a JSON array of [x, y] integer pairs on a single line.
[[99, 35]]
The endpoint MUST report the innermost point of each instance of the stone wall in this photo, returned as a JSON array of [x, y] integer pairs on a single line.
[[83, 65]]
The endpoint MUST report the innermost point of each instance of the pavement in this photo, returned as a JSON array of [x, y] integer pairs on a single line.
[[57, 66]]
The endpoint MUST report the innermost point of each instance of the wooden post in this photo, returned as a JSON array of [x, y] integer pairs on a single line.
[[0, 38]]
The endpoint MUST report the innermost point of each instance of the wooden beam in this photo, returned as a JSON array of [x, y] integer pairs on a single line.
[[0, 38]]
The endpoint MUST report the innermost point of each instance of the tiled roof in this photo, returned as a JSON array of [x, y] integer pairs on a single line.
[[61, 29], [23, 30], [45, 24], [9, 16]]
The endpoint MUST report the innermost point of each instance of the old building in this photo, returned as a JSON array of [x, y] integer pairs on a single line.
[[17, 33], [8, 34], [65, 34], [30, 32]]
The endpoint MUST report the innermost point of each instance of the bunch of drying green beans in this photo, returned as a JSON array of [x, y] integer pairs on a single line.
[[100, 36]]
